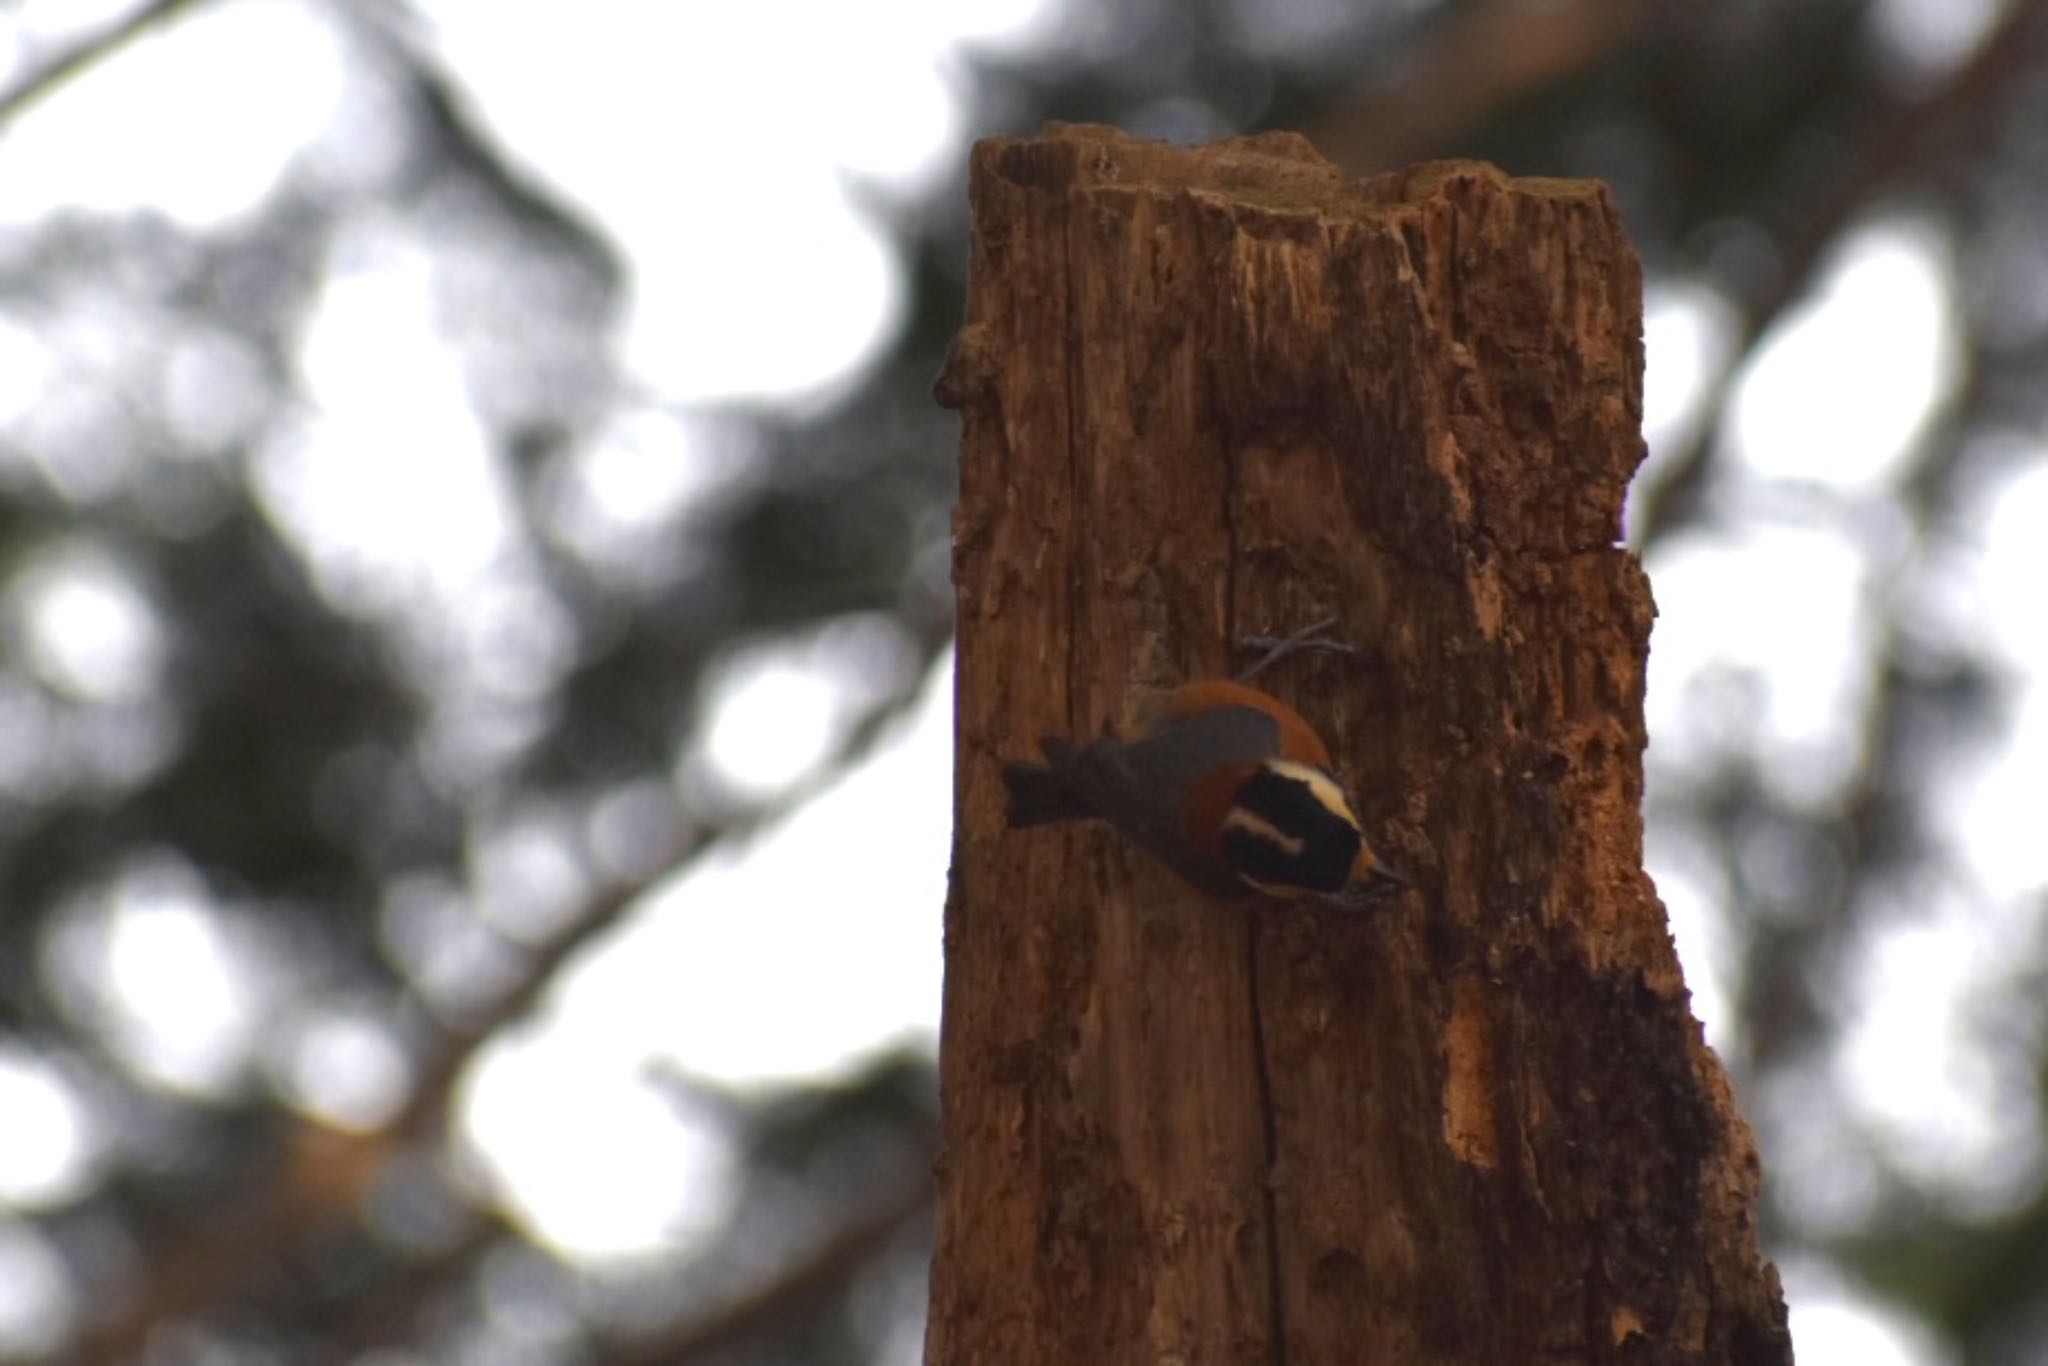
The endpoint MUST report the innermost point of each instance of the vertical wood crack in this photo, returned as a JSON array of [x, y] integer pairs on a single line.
[[1077, 502], [1276, 1300]]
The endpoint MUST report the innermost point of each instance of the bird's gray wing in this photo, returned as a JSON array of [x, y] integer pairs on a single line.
[[1137, 787], [1179, 752]]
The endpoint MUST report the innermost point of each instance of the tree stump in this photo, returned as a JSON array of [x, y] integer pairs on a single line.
[[1219, 390]]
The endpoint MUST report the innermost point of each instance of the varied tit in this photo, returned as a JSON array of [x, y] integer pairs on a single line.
[[1230, 788]]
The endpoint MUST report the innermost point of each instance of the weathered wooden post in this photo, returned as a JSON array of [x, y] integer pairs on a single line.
[[1217, 390]]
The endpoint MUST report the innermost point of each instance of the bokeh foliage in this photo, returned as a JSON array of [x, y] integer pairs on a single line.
[[312, 751]]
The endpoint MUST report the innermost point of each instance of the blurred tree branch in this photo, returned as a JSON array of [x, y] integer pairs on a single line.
[[1873, 827], [326, 1173], [821, 1272], [1467, 70], [426, 1111], [390, 1316], [1894, 145], [52, 73]]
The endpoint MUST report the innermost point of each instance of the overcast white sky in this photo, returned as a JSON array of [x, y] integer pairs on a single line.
[[704, 976]]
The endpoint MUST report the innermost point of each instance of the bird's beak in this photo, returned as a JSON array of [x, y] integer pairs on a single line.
[[1382, 882]]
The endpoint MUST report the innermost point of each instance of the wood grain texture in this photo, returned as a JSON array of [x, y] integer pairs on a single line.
[[1219, 390]]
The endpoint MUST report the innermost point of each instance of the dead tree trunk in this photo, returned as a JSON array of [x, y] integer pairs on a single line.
[[1218, 390]]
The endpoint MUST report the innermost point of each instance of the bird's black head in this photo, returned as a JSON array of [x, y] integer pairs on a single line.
[[1290, 831]]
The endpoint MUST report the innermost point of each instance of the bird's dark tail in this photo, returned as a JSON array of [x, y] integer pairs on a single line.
[[1038, 796]]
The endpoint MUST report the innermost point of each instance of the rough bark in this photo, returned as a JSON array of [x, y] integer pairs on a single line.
[[1218, 390]]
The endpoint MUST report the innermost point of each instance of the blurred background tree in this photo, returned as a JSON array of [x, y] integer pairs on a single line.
[[473, 583]]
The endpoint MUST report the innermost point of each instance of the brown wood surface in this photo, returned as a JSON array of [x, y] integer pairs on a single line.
[[1219, 390]]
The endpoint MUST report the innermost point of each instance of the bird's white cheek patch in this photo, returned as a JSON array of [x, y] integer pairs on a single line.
[[1240, 819], [1320, 785]]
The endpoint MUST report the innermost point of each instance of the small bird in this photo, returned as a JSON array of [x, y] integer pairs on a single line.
[[1229, 787]]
